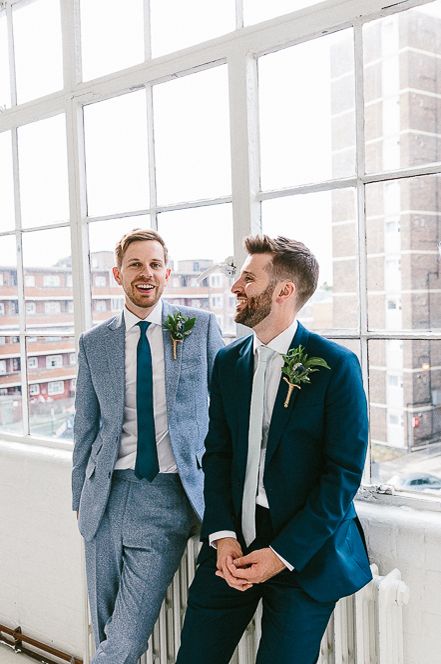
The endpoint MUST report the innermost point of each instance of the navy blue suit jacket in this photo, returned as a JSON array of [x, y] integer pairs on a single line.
[[314, 463]]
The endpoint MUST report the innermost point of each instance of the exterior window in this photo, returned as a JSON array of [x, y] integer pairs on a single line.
[[54, 361], [51, 280], [52, 307], [100, 305], [34, 389], [31, 308], [29, 280], [55, 387], [100, 281], [2, 309], [2, 366], [32, 362]]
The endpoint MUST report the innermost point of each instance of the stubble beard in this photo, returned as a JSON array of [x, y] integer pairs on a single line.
[[257, 308]]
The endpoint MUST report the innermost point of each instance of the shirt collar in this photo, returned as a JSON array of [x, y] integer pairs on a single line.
[[281, 343], [154, 317]]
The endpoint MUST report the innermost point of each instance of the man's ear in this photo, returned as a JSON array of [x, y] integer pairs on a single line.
[[286, 290], [116, 275]]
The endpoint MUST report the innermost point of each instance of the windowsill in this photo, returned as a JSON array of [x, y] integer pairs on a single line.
[[386, 495]]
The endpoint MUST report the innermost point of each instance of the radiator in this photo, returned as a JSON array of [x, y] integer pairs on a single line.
[[365, 628]]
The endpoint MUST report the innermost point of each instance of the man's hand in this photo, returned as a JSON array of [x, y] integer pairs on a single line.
[[228, 550], [258, 566]]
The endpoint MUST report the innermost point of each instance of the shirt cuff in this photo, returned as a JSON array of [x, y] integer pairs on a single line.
[[219, 535], [285, 562]]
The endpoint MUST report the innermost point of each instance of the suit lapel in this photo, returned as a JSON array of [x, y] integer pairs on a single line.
[[172, 367], [281, 414], [115, 349]]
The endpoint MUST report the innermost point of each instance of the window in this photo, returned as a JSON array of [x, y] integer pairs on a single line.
[[32, 362], [54, 361], [100, 305], [34, 389], [56, 387], [51, 280], [52, 307], [302, 155], [31, 308], [2, 366]]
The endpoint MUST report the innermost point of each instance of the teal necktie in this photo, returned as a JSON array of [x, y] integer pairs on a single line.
[[147, 465]]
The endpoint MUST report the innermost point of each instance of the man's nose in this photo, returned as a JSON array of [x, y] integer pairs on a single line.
[[146, 271]]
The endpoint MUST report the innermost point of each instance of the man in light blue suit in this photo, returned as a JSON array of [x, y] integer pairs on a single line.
[[140, 423], [282, 467]]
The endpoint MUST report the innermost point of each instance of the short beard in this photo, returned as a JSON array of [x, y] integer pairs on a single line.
[[257, 308]]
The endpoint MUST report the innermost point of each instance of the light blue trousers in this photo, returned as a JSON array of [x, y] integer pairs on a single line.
[[132, 559]]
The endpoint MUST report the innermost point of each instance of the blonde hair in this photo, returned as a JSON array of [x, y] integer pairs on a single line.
[[137, 235]]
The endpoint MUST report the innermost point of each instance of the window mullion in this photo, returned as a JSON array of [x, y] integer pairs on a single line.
[[361, 217], [151, 156], [78, 210], [244, 137]]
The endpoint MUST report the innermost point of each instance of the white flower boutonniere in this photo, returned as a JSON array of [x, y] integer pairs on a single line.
[[179, 327], [296, 369]]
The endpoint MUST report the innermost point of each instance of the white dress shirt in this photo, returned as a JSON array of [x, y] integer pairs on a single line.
[[129, 436], [280, 346]]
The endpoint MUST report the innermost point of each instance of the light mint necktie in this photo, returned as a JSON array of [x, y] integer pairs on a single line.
[[254, 446]]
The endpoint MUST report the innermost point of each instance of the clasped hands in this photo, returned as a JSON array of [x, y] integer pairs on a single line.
[[242, 572]]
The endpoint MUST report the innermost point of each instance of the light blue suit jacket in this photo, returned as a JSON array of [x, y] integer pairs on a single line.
[[100, 409]]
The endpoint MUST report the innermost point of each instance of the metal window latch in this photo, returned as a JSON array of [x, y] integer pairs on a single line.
[[228, 268]]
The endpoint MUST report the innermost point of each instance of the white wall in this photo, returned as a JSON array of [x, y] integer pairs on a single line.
[[40, 548], [40, 555]]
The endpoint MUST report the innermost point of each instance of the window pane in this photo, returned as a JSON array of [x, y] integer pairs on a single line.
[[307, 114], [405, 413], [325, 222], [51, 377], [38, 48], [10, 385], [177, 24], [5, 91], [403, 253], [189, 237], [402, 104], [7, 219], [117, 155], [107, 295], [112, 35], [42, 153], [262, 10], [9, 320], [192, 137], [48, 280]]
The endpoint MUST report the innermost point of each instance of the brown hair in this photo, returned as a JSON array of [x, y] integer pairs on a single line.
[[291, 260], [138, 234]]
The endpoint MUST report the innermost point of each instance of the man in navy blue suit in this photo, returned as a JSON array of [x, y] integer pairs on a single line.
[[281, 473]]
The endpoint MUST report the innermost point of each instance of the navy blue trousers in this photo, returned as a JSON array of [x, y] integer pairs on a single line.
[[292, 622]]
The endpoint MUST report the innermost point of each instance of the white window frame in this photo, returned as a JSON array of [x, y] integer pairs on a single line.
[[239, 52]]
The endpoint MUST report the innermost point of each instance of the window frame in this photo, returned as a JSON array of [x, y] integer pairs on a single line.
[[240, 51]]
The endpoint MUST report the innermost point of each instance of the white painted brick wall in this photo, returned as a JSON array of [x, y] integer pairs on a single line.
[[40, 548]]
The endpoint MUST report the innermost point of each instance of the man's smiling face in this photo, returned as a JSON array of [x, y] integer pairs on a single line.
[[143, 275], [254, 290]]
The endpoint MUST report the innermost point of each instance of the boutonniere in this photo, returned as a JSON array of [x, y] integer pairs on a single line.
[[179, 327], [297, 366]]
